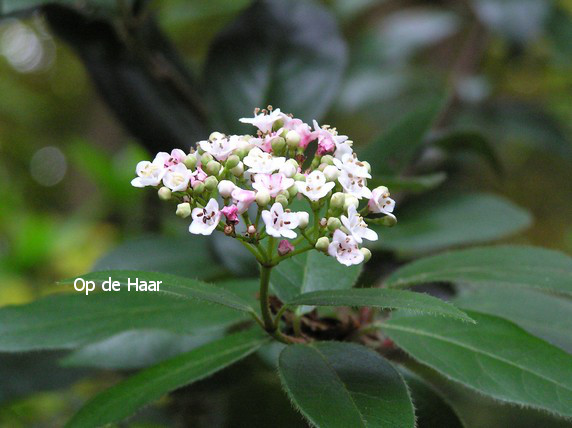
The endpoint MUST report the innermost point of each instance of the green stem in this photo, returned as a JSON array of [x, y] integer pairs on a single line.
[[291, 254], [264, 305]]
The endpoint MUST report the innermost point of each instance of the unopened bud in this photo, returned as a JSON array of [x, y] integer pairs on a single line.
[[277, 125], [232, 161], [164, 193], [216, 136], [228, 230], [292, 139], [238, 170], [331, 172], [323, 222], [300, 177], [183, 210], [198, 187], [289, 169], [190, 161], [225, 188], [334, 223], [349, 201], [328, 159], [337, 201], [241, 153], [282, 200], [211, 183], [206, 158], [262, 198], [366, 254], [303, 219], [278, 144], [322, 167], [285, 247], [213, 168], [292, 191], [322, 244], [251, 230]]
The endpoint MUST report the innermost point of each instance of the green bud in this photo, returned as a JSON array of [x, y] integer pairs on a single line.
[[232, 161], [278, 144], [241, 153], [198, 188], [238, 170], [206, 158], [300, 177], [322, 166], [334, 223], [277, 125], [164, 193], [292, 139], [282, 200], [184, 210], [337, 201], [292, 191], [211, 183], [215, 136], [262, 198], [366, 254], [213, 168], [350, 200], [328, 159], [322, 244], [190, 161]]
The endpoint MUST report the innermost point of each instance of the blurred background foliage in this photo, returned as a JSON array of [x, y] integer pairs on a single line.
[[505, 127]]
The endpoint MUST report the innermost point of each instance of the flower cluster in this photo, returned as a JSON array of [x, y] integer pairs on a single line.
[[251, 187]]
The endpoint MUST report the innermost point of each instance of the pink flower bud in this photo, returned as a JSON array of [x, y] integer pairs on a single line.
[[231, 213], [285, 247]]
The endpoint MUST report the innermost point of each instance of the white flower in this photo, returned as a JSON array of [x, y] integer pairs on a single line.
[[345, 249], [303, 219], [315, 187], [380, 202], [288, 169], [355, 186], [264, 122], [206, 219], [177, 178], [148, 174], [343, 149], [353, 166], [280, 223], [260, 162], [274, 183], [225, 188], [357, 227], [220, 148], [167, 160]]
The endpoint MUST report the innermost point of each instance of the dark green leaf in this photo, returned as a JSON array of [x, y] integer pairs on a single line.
[[71, 320], [185, 256], [417, 184], [546, 316], [149, 385], [267, 55], [394, 150], [431, 409], [345, 385], [172, 285], [19, 6], [494, 357], [311, 271], [438, 221], [381, 298], [507, 265]]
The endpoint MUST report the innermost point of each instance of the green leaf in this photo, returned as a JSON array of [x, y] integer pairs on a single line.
[[417, 184], [185, 256], [71, 320], [506, 265], [394, 150], [311, 271], [546, 316], [494, 357], [172, 285], [265, 56], [431, 409], [438, 221], [345, 385], [380, 298], [466, 141], [149, 385]]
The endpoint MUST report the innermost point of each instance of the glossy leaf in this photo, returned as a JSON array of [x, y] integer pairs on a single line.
[[185, 256], [381, 298], [438, 221], [172, 285], [495, 357], [505, 265], [394, 150], [544, 315], [149, 385], [72, 320], [345, 385], [267, 55], [311, 271]]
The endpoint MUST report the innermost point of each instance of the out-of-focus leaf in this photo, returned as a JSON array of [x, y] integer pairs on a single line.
[[149, 385], [381, 298], [8, 7], [438, 221], [66, 321], [472, 142], [546, 316], [187, 256], [273, 49], [136, 349], [559, 30], [311, 271], [507, 265], [493, 356], [345, 385], [431, 410], [417, 184], [172, 285], [395, 149]]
